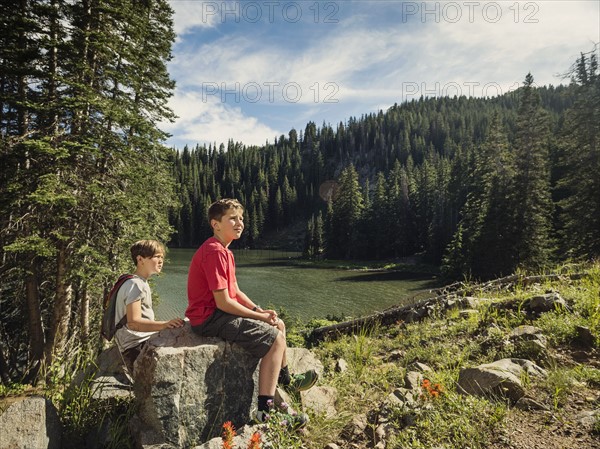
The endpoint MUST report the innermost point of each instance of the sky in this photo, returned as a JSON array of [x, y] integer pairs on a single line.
[[251, 71]]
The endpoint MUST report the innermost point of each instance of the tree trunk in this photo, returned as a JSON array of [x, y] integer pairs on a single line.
[[84, 315], [34, 318], [4, 371], [59, 326]]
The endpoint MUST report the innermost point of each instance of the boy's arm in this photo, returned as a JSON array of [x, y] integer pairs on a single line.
[[228, 305], [135, 322], [244, 298]]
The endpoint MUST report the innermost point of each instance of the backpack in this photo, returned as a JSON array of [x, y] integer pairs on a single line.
[[109, 327]]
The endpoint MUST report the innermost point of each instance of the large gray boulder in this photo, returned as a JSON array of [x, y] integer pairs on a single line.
[[30, 422], [500, 378], [186, 387]]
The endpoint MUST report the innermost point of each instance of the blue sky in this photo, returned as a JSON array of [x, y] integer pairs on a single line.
[[252, 70]]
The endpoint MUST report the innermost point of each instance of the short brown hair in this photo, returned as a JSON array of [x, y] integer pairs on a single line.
[[218, 208], [146, 248]]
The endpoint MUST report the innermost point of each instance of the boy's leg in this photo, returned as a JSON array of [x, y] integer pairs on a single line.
[[293, 382], [258, 338], [281, 327], [270, 366]]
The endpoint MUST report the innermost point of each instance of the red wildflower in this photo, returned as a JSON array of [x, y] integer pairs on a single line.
[[430, 391], [228, 435], [255, 441]]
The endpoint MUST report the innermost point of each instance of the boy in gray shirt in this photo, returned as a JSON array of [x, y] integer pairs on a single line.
[[134, 299]]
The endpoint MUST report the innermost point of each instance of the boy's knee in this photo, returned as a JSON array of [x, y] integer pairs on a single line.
[[280, 325], [280, 340]]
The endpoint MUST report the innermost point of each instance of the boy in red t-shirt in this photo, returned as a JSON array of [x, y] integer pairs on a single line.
[[218, 308]]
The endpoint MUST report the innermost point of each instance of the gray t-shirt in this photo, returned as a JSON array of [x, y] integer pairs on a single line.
[[132, 290]]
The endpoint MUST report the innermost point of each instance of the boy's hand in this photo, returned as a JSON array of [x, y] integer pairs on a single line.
[[174, 323], [270, 317]]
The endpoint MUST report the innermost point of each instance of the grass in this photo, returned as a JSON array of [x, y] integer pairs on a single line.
[[448, 342]]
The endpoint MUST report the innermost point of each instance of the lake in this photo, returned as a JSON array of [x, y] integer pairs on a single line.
[[269, 279]]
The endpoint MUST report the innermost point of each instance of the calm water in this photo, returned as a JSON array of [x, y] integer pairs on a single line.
[[268, 280]]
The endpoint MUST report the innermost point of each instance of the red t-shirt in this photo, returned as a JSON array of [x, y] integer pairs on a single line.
[[212, 268]]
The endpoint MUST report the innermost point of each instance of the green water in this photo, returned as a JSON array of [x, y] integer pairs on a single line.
[[269, 280]]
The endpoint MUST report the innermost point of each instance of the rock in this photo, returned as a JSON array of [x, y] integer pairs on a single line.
[[394, 400], [587, 419], [383, 432], [30, 422], [413, 380], [500, 378], [331, 446], [281, 396], [471, 302], [526, 333], [421, 367], [417, 313], [301, 360], [108, 378], [400, 398], [526, 403], [529, 343], [394, 355], [187, 386], [545, 303], [414, 376], [341, 366], [321, 400], [581, 356], [584, 337], [356, 428]]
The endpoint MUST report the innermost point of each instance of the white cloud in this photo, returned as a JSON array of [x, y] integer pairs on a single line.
[[206, 120], [370, 62], [193, 14]]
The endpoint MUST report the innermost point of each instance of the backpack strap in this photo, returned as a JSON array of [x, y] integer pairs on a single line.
[[124, 277]]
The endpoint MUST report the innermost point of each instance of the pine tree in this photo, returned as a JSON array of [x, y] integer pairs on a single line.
[[482, 244], [532, 201], [580, 145], [347, 208]]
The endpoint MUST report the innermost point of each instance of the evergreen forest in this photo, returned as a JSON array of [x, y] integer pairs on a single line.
[[478, 186]]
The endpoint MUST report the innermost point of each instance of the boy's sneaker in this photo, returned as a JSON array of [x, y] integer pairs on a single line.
[[292, 420], [302, 382]]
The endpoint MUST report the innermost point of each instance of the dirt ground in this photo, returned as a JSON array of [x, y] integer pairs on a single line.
[[569, 427]]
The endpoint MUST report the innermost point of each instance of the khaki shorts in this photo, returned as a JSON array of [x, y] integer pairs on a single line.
[[254, 336]]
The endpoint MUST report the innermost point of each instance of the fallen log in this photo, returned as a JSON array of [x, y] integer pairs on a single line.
[[407, 313]]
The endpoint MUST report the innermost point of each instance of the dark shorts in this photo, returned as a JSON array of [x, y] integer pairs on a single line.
[[254, 336], [131, 354]]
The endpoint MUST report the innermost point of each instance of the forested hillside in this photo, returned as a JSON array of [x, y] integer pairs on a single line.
[[482, 186]]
